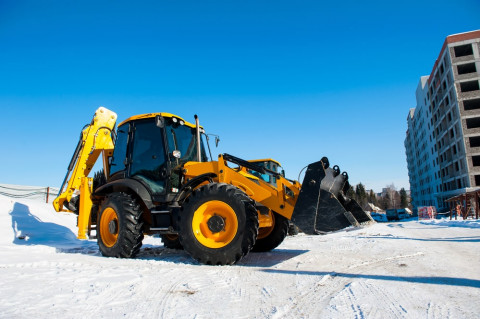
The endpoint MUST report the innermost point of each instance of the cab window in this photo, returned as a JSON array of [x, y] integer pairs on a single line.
[[120, 152]]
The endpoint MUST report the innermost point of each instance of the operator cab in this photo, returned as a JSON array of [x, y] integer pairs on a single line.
[[151, 149]]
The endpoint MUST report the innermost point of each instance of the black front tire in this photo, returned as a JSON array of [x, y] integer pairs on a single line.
[[211, 204], [119, 226], [275, 236]]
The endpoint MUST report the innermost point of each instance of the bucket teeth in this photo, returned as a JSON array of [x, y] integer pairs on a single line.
[[325, 162], [336, 171]]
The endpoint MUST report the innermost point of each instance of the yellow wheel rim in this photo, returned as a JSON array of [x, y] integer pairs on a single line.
[[265, 231], [215, 224], [109, 227]]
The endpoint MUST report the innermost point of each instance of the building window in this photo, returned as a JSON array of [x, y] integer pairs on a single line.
[[463, 50], [473, 104], [469, 86], [476, 160], [473, 122], [477, 180], [474, 141], [466, 68]]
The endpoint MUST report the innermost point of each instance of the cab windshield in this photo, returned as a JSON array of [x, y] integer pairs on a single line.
[[182, 138]]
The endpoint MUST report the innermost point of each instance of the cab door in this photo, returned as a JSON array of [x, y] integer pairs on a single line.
[[147, 156]]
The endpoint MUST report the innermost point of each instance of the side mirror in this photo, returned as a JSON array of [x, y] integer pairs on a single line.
[[283, 172], [217, 139], [159, 121]]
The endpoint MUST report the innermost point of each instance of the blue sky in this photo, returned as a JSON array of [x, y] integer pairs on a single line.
[[291, 80]]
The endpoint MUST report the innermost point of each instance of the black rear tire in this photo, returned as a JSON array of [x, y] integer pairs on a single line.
[[276, 235], [119, 226], [171, 241], [293, 229], [218, 224]]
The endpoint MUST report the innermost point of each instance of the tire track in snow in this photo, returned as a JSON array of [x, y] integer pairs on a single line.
[[348, 300], [330, 286], [435, 310], [363, 299], [309, 296]]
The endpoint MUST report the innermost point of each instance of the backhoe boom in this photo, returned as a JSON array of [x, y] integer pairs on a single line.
[[95, 139]]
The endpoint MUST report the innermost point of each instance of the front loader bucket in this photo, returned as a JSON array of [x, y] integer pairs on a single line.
[[322, 205]]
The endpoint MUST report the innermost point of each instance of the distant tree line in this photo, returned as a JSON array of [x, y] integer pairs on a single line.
[[387, 199]]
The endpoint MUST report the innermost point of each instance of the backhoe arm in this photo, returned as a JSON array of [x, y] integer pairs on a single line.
[[96, 138]]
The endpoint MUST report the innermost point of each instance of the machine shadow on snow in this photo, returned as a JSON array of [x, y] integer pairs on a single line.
[[253, 259], [271, 258], [29, 230], [447, 281], [161, 253]]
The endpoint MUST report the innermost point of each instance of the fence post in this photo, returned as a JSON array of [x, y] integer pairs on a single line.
[[48, 192]]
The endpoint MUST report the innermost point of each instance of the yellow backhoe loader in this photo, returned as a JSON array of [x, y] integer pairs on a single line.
[[157, 179]]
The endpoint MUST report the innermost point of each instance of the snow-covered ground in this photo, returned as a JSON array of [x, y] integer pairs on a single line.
[[409, 269]]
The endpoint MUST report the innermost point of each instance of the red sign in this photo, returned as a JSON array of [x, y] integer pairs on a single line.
[[426, 212]]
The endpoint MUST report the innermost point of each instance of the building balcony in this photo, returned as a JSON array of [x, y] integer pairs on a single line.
[[468, 76], [474, 170], [465, 58]]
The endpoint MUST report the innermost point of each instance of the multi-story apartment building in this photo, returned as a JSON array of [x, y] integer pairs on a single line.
[[443, 136]]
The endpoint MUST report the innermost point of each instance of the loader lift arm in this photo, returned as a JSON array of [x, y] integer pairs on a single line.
[[95, 139], [321, 204]]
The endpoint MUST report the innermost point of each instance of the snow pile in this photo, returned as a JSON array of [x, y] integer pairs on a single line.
[[446, 222], [409, 269]]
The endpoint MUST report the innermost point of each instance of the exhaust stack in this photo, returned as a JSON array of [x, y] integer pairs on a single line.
[[197, 131]]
